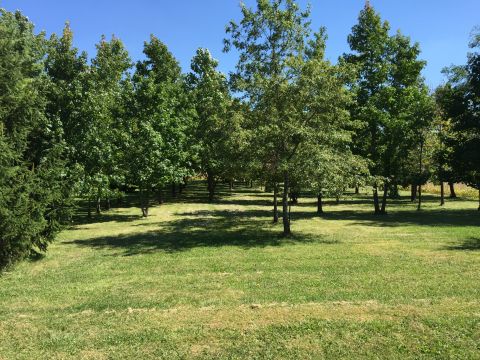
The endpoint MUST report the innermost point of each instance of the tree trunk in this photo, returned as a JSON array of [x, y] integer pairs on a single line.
[[413, 191], [419, 197], [144, 202], [383, 210], [98, 206], [453, 195], [275, 203], [286, 213], [107, 204], [393, 191], [251, 183], [319, 204], [230, 185], [337, 200], [375, 200], [211, 186], [160, 196], [174, 190], [479, 199], [357, 190], [442, 193], [89, 209]]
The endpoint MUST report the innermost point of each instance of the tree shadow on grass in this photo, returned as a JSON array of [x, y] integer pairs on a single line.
[[200, 230], [441, 217], [471, 244]]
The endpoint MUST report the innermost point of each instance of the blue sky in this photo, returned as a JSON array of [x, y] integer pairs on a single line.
[[442, 27]]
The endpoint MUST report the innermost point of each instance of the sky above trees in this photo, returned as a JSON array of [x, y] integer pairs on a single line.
[[442, 27]]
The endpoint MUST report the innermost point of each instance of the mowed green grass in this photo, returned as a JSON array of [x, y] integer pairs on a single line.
[[216, 281]]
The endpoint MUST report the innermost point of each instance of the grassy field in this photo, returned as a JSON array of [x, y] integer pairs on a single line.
[[199, 280]]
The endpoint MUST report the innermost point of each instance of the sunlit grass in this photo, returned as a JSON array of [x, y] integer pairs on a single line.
[[199, 280]]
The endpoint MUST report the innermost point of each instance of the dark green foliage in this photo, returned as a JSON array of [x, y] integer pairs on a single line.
[[392, 101], [34, 185]]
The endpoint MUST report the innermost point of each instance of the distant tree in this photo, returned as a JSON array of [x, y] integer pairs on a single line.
[[391, 100], [297, 98], [268, 40], [217, 128], [466, 121], [156, 151], [100, 147]]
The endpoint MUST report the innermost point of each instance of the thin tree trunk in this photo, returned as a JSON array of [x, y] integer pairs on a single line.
[[442, 193], [89, 209], [174, 190], [419, 197], [357, 190], [211, 186], [319, 203], [160, 196], [144, 202], [337, 200], [383, 210], [375, 200], [286, 213], [479, 199], [107, 204], [421, 176], [230, 185], [413, 195], [275, 203], [98, 206], [453, 195], [251, 183]]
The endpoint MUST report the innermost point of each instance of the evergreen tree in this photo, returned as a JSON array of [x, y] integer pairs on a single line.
[[34, 186]]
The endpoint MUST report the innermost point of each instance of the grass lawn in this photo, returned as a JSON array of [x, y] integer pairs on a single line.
[[199, 280]]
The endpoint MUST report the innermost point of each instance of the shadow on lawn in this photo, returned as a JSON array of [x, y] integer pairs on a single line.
[[200, 230], [471, 244], [250, 228]]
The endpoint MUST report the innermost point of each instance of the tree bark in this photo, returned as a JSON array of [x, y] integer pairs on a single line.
[[442, 193], [98, 206], [211, 186], [275, 203], [375, 200], [413, 195], [144, 202], [419, 197], [453, 195], [286, 213], [89, 209], [319, 204], [357, 190], [383, 210], [160, 196]]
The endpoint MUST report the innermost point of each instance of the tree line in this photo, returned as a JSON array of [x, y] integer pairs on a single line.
[[287, 118]]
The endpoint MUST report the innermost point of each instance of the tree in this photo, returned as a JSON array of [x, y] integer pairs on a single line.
[[215, 129], [389, 93], [297, 98], [100, 150], [156, 147], [35, 196], [465, 111]]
